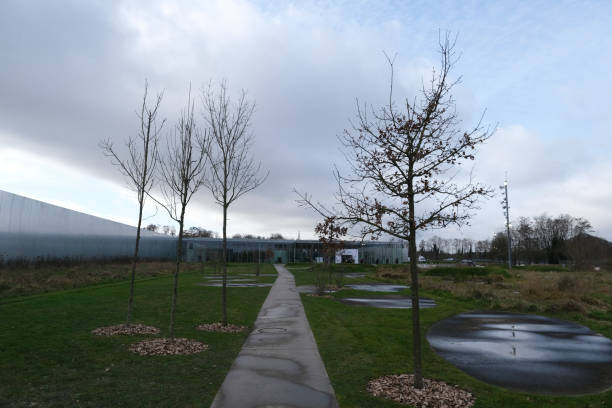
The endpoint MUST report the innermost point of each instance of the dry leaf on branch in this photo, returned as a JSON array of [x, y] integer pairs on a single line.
[[125, 330], [219, 327], [166, 346], [434, 394]]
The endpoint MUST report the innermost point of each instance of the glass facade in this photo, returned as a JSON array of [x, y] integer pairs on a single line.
[[287, 251]]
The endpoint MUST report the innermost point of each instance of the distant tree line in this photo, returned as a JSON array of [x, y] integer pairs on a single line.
[[251, 236], [542, 239], [162, 229], [199, 232]]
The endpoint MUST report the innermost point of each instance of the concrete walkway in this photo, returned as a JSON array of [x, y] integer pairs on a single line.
[[279, 364]]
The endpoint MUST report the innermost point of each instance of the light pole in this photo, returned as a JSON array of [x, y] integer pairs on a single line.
[[506, 207]]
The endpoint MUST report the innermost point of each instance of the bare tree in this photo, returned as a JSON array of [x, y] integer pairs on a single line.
[[233, 172], [138, 168], [182, 174], [152, 227], [405, 172]]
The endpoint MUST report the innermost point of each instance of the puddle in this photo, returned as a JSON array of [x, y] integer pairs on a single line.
[[311, 289], [261, 274], [230, 280], [389, 303], [355, 275], [526, 352], [377, 287], [237, 285]]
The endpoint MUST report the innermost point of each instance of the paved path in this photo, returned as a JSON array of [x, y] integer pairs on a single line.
[[279, 364]]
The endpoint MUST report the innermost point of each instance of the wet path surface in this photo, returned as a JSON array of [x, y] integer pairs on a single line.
[[526, 352], [279, 364]]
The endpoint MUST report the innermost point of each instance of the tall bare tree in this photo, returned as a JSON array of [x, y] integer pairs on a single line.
[[139, 168], [404, 171], [182, 171], [233, 171]]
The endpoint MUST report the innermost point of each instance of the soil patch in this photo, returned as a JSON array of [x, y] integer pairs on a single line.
[[125, 330], [434, 394], [219, 327], [166, 346]]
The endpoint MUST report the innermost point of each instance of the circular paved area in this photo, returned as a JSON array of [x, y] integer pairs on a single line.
[[526, 352]]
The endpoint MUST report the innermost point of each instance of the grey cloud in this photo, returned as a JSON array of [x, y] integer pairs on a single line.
[[72, 74]]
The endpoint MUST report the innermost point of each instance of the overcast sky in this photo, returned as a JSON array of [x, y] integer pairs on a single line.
[[72, 74]]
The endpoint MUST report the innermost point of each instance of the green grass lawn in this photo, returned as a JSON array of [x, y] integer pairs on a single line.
[[49, 358], [361, 343], [303, 272]]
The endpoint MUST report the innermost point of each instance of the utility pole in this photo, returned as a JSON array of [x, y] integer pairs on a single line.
[[506, 207]]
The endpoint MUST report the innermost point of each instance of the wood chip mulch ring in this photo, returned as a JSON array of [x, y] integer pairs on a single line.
[[434, 394], [166, 346], [220, 328], [125, 330]]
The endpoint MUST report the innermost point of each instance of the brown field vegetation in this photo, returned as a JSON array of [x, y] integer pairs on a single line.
[[586, 292], [29, 280]]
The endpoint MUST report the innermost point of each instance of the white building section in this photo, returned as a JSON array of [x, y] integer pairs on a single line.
[[347, 256]]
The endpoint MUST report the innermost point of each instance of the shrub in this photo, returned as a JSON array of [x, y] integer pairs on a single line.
[[566, 283], [573, 306]]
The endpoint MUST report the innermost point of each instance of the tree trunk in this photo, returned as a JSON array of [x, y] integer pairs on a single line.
[[179, 256], [128, 319], [224, 294], [258, 260], [414, 288]]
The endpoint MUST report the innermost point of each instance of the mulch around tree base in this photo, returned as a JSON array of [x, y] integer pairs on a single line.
[[125, 330], [434, 394], [166, 346], [219, 327]]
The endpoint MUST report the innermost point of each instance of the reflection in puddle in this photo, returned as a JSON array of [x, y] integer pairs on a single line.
[[389, 303], [376, 287], [353, 275], [237, 285], [524, 352], [313, 289], [232, 280], [260, 275]]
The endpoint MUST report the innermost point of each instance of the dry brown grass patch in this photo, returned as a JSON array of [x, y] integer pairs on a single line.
[[166, 346], [221, 328], [434, 394], [125, 330], [32, 279], [393, 272], [530, 291]]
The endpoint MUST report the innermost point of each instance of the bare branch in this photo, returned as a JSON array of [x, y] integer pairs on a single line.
[[139, 166]]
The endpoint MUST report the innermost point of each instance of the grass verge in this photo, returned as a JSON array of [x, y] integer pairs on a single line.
[[48, 357], [361, 343]]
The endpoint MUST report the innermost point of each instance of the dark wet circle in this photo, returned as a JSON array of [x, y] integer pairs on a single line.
[[524, 352], [236, 285], [389, 303], [376, 287], [354, 275]]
